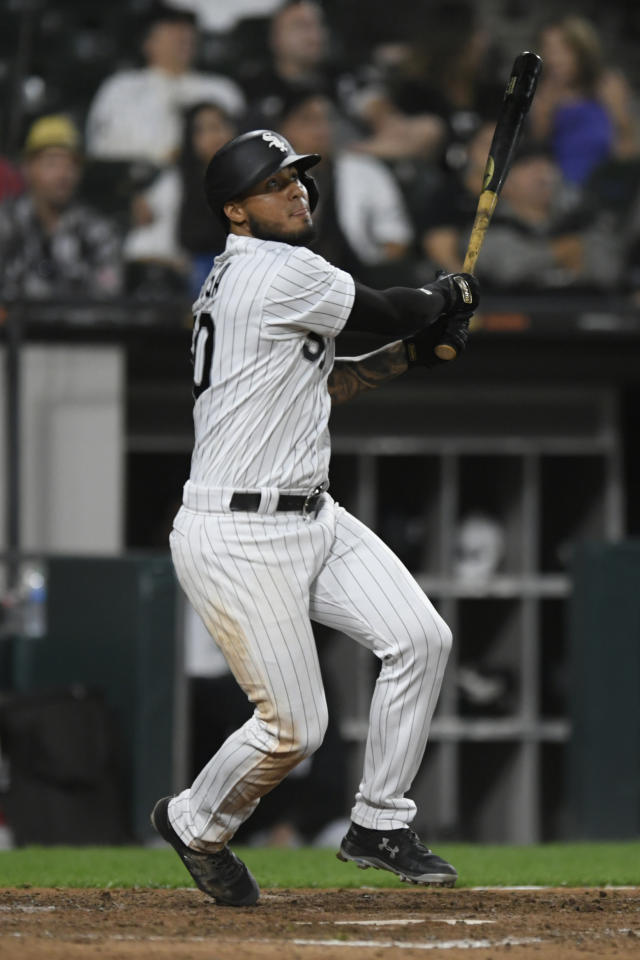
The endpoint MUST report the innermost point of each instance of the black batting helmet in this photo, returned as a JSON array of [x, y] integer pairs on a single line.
[[248, 159]]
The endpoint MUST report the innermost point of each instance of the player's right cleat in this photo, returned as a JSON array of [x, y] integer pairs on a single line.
[[400, 851], [221, 875]]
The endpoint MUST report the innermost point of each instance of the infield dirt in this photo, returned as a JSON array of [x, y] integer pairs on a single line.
[[548, 924]]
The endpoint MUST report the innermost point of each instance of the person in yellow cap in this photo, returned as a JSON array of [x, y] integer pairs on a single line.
[[52, 131], [51, 244]]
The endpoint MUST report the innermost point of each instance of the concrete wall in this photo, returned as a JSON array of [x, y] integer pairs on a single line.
[[72, 449]]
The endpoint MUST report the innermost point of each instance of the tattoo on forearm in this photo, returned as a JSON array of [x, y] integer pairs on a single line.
[[352, 375]]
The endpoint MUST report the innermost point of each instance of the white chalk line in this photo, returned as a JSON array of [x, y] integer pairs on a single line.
[[24, 908], [400, 945], [299, 942], [392, 923], [607, 886], [464, 922]]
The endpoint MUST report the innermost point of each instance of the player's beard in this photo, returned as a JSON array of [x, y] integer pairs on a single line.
[[262, 231]]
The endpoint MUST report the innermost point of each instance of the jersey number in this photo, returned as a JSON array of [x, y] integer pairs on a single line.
[[204, 333]]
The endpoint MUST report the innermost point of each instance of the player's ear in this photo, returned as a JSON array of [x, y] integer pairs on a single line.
[[234, 211]]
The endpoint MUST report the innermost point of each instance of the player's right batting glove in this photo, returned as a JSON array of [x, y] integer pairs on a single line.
[[462, 295]]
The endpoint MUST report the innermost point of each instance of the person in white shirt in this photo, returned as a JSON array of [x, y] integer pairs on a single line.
[[362, 223], [138, 114], [223, 15]]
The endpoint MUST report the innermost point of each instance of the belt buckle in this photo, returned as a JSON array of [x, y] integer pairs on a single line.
[[311, 499]]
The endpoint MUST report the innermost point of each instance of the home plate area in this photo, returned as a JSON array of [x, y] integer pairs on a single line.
[[538, 924]]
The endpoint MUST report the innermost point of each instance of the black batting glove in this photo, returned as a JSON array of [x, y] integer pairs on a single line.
[[461, 292], [420, 346]]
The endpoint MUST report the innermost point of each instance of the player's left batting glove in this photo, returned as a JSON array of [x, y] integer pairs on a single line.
[[420, 346], [462, 295]]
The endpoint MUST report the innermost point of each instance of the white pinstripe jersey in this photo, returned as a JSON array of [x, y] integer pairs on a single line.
[[263, 347]]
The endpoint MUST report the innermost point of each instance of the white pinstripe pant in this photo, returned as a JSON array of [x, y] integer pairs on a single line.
[[257, 581]]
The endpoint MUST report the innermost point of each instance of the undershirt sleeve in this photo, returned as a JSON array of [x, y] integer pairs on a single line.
[[395, 311]]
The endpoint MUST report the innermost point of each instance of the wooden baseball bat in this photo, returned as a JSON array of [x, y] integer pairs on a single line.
[[515, 104]]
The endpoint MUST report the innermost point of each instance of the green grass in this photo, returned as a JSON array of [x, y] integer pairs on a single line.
[[578, 865]]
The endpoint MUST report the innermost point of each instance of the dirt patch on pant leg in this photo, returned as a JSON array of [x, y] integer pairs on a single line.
[[321, 925]]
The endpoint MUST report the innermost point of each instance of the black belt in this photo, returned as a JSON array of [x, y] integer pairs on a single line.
[[291, 502]]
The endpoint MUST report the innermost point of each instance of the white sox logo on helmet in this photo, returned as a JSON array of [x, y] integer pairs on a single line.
[[274, 141]]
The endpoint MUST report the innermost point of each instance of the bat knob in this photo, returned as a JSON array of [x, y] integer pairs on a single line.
[[445, 351]]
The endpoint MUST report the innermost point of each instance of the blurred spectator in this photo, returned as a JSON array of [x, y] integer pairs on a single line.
[[435, 90], [137, 114], [202, 236], [361, 220], [11, 182], [629, 225], [386, 24], [543, 237], [223, 15], [155, 264], [393, 134], [583, 109], [173, 240], [445, 214], [51, 245], [298, 57]]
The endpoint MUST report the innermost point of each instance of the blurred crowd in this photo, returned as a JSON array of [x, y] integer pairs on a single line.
[[105, 199]]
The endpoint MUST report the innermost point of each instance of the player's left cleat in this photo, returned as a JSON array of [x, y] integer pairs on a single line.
[[221, 875], [400, 851]]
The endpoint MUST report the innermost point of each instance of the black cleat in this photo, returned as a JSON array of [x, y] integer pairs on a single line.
[[221, 875], [399, 851]]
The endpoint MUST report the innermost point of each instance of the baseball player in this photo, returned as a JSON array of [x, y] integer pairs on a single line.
[[260, 547]]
